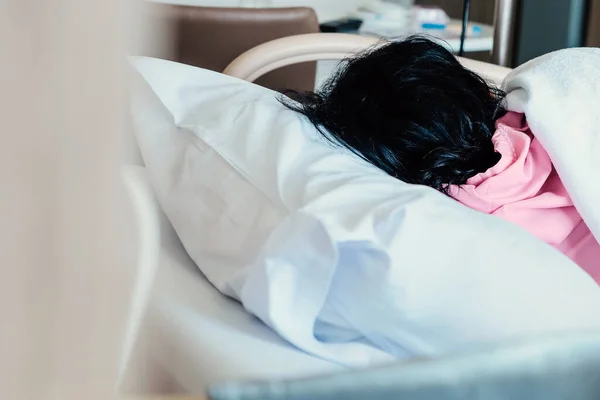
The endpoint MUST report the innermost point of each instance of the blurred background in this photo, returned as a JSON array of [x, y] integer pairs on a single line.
[[211, 33]]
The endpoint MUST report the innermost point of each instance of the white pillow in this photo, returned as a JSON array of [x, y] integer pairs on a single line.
[[342, 260]]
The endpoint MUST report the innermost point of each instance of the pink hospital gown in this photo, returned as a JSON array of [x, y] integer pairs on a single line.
[[524, 188]]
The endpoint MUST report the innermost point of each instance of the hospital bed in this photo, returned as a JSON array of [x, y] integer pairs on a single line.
[[185, 335]]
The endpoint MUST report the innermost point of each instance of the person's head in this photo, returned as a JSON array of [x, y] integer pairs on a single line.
[[411, 109]]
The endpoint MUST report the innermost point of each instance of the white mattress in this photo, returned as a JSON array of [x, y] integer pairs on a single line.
[[192, 335]]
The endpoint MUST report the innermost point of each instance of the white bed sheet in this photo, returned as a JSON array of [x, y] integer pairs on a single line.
[[192, 335]]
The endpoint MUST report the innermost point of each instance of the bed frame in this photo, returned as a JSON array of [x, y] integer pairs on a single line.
[[324, 46], [138, 372]]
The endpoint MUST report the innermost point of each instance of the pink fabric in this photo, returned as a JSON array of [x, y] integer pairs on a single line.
[[524, 188]]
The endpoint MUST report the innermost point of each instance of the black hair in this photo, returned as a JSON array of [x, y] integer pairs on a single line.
[[412, 110]]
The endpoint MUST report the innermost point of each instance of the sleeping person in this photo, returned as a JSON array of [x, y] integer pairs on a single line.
[[412, 110]]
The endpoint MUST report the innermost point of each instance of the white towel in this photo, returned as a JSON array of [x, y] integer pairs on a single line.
[[560, 96]]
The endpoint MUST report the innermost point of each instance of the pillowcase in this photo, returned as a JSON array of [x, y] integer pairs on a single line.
[[342, 260]]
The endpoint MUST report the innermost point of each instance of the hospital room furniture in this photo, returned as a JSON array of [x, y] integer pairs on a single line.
[[556, 368], [233, 30], [211, 37], [504, 34], [528, 29], [542, 26], [275, 54], [190, 335], [327, 10], [593, 34]]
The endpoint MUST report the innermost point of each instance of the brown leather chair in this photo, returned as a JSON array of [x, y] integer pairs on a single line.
[[211, 38]]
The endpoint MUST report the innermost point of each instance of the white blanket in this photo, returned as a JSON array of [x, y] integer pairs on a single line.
[[342, 260], [560, 96]]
